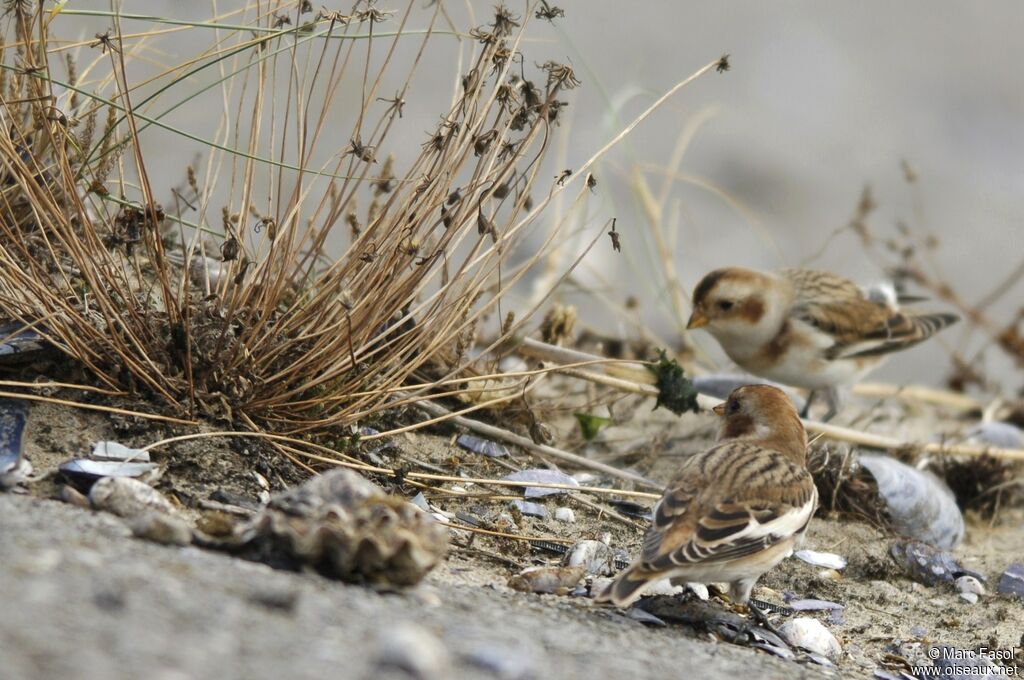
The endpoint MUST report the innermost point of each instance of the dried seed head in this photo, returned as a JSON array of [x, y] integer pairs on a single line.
[[504, 21], [229, 250]]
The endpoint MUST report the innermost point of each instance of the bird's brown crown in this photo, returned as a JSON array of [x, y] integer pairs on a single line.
[[765, 415]]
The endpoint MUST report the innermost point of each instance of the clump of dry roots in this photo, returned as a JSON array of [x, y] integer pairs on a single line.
[[228, 300]]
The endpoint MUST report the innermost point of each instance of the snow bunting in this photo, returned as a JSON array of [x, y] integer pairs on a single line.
[[806, 328], [734, 511]]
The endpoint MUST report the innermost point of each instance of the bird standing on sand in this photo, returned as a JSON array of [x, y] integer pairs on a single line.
[[734, 511], [805, 328]]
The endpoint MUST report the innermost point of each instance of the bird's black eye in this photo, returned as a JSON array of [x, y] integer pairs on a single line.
[[732, 406], [725, 305]]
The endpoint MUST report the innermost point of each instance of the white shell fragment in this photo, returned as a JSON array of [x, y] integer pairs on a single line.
[[565, 515], [542, 476], [594, 556], [821, 559], [812, 635], [96, 469], [118, 452], [126, 497], [413, 649], [919, 504], [969, 584]]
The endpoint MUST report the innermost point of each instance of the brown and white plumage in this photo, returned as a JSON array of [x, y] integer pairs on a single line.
[[734, 511], [805, 328]]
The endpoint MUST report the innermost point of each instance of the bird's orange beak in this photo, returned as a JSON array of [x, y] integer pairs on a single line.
[[697, 320], [719, 410]]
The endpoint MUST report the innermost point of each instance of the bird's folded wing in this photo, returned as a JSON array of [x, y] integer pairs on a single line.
[[857, 326], [688, 529]]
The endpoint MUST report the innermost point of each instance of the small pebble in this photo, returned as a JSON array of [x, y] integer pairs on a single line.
[[812, 635], [565, 515], [969, 597], [126, 497], [161, 528], [1012, 581], [557, 580], [413, 649], [969, 584], [70, 495]]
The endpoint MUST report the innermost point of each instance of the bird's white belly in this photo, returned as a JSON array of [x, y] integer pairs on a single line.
[[803, 365]]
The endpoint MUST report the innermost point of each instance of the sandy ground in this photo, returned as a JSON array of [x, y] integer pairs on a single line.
[[83, 598]]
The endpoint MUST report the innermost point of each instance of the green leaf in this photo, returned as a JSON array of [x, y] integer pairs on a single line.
[[591, 424], [675, 391]]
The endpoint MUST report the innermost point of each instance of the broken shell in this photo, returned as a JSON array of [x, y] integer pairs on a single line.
[[997, 433], [88, 471], [918, 503], [126, 497], [812, 605], [531, 509], [345, 527], [484, 447], [14, 468], [821, 559], [812, 635], [18, 341], [926, 564], [594, 556], [161, 528], [969, 584], [969, 597], [118, 452], [541, 476], [1012, 581], [565, 515], [557, 580]]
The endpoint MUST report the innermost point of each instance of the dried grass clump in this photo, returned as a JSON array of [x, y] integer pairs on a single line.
[[229, 301]]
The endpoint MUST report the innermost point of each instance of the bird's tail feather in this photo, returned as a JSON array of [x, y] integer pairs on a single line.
[[626, 588]]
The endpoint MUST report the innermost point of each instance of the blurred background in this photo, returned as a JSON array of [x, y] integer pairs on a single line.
[[762, 166]]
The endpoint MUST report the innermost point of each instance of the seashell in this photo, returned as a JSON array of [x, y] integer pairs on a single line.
[[345, 527], [997, 433], [967, 584], [127, 497], [413, 649], [17, 343], [88, 471], [812, 605], [721, 385], [118, 452], [541, 476], [1012, 581], [530, 509], [160, 528], [812, 635], [565, 515], [645, 618], [594, 556], [918, 503], [821, 559], [926, 564], [14, 468], [484, 447], [557, 580]]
